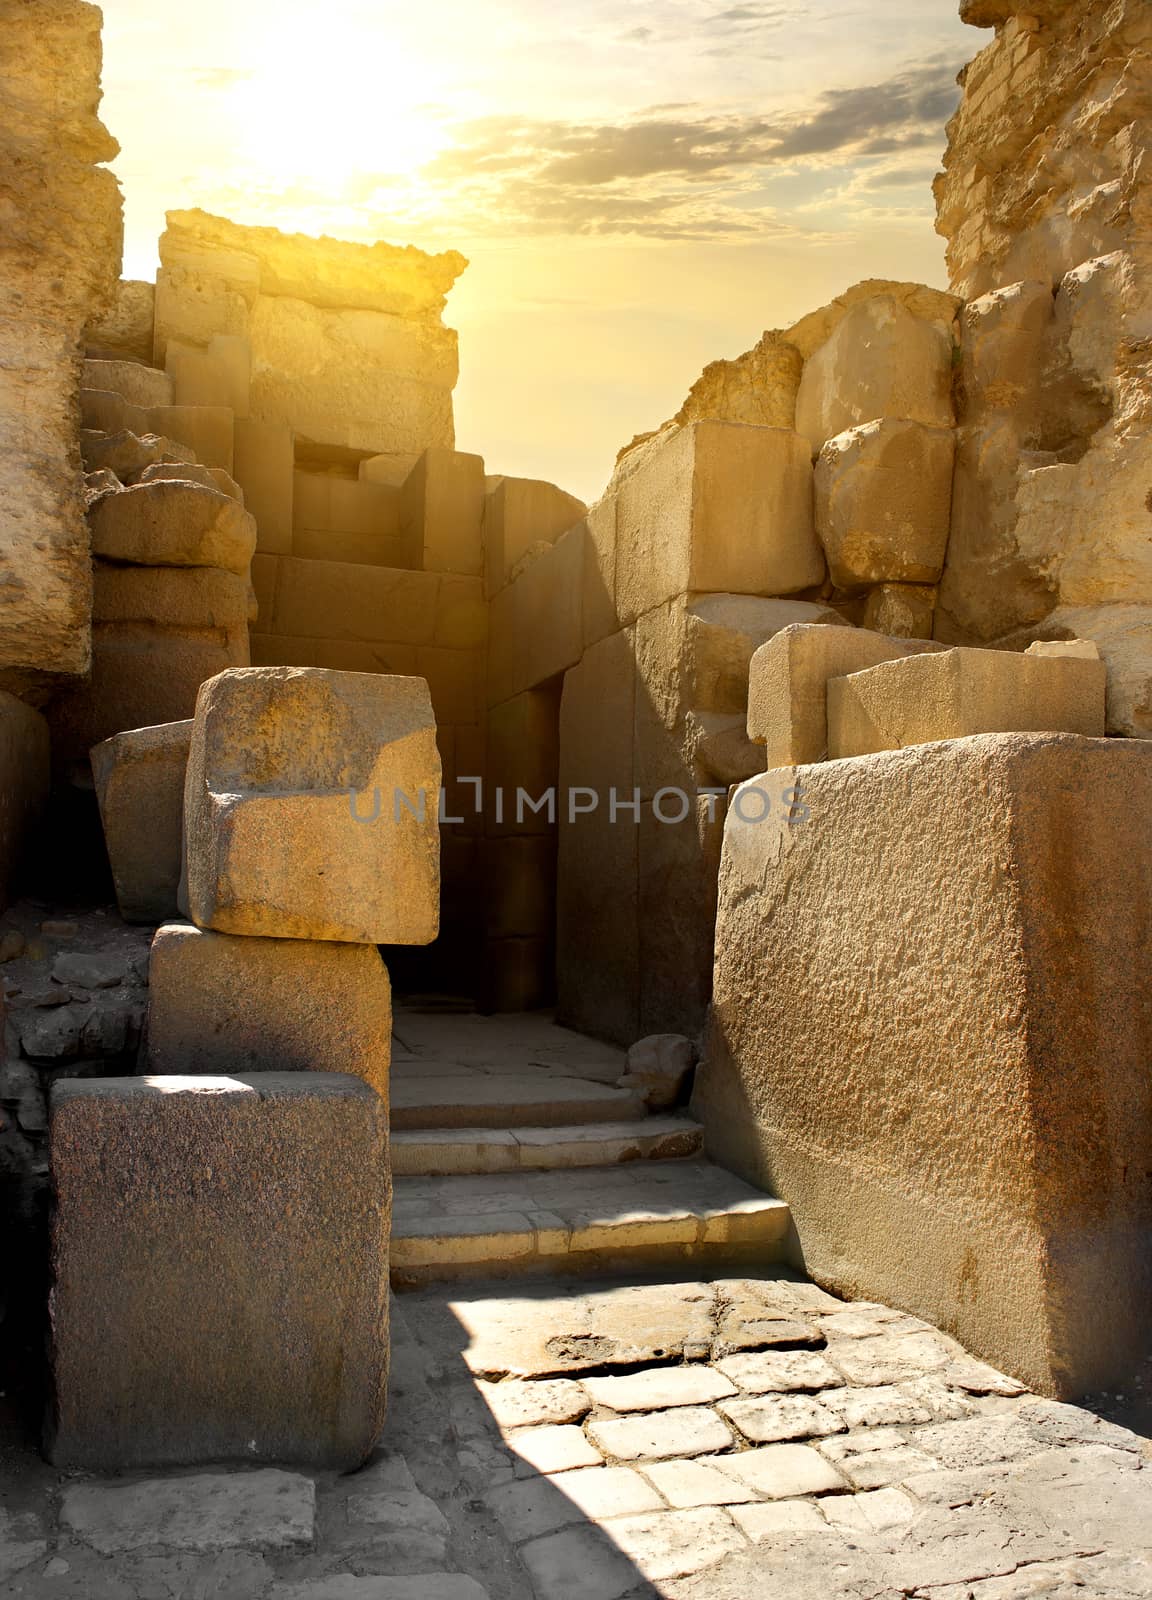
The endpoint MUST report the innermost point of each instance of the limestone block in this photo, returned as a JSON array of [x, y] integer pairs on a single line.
[[219, 374], [129, 455], [24, 764], [517, 974], [1123, 635], [723, 633], [222, 1004], [461, 613], [901, 610], [1003, 339], [759, 387], [882, 361], [205, 599], [283, 836], [265, 571], [264, 465], [140, 789], [522, 753], [123, 330], [455, 680], [339, 600], [599, 598], [62, 242], [139, 385], [185, 472], [441, 512], [716, 507], [598, 857], [220, 1259], [391, 468], [518, 514], [678, 861], [987, 1099], [173, 524], [520, 886], [536, 628], [958, 693], [884, 503], [934, 306], [788, 685], [207, 430]]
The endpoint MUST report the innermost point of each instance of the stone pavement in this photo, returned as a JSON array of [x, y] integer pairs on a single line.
[[729, 1440]]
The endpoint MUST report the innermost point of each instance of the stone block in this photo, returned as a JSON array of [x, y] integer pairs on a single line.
[[957, 693], [129, 455], [219, 1004], [294, 822], [208, 430], [24, 774], [901, 610], [461, 613], [123, 330], [265, 570], [520, 886], [517, 975], [455, 680], [173, 524], [442, 512], [522, 752], [337, 600], [598, 858], [991, 1100], [881, 361], [186, 472], [660, 1069], [1123, 635], [536, 629], [218, 374], [220, 1259], [520, 513], [391, 468], [884, 503], [140, 789], [205, 599], [716, 507], [788, 685], [678, 859], [264, 467], [139, 385], [599, 599]]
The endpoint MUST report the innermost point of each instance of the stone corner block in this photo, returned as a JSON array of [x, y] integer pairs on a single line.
[[220, 1270], [311, 807], [140, 790]]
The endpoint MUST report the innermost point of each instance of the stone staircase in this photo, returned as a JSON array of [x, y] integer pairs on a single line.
[[514, 1151]]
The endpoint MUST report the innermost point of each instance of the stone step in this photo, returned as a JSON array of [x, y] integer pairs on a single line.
[[439, 1152], [585, 1220], [537, 1099]]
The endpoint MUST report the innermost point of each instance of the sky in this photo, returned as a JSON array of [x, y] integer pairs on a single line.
[[641, 186]]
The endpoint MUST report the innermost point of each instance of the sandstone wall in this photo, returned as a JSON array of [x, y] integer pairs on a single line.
[[1044, 202], [343, 342], [60, 243]]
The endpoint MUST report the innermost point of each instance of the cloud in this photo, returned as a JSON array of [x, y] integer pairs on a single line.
[[219, 77]]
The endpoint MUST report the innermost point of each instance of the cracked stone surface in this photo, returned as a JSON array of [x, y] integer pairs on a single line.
[[565, 1442]]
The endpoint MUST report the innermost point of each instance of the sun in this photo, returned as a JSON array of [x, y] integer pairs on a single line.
[[312, 111]]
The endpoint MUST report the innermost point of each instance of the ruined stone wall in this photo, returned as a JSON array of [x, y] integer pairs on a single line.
[[60, 240], [1045, 201]]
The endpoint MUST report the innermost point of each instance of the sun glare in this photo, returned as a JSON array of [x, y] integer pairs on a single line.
[[312, 112]]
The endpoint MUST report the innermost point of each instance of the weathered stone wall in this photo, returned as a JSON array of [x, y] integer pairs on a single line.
[[60, 240], [343, 342], [1044, 201]]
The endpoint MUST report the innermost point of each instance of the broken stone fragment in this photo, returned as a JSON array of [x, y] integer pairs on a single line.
[[127, 454], [173, 524], [91, 969], [659, 1069]]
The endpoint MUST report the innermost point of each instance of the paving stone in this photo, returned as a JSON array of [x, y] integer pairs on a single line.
[[22, 1541], [578, 1564], [791, 1417], [978, 1441], [946, 1404], [433, 1586], [524, 1336], [890, 1358], [783, 1518], [660, 1388], [978, 1378], [685, 1484], [674, 1544], [783, 1471], [778, 1371], [517, 1404], [863, 1320], [551, 1448], [412, 1527], [689, 1431], [267, 1510], [1056, 1423], [537, 1506], [871, 1512], [877, 1457], [887, 1406]]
